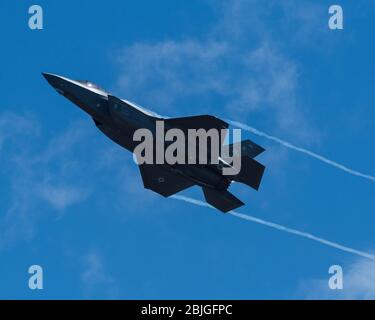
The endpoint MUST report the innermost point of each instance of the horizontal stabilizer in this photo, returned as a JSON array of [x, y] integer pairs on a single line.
[[251, 173], [222, 200]]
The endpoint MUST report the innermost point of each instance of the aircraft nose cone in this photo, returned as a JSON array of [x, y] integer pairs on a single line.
[[51, 79], [60, 84]]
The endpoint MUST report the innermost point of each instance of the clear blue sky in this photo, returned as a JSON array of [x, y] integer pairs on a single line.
[[73, 202]]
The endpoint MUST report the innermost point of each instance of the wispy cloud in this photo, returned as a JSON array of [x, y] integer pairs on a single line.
[[164, 72], [38, 174], [51, 174], [300, 22], [247, 81], [358, 283], [61, 196], [13, 125], [96, 280], [251, 78]]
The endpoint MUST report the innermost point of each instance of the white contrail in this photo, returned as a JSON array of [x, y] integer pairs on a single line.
[[281, 228], [299, 149]]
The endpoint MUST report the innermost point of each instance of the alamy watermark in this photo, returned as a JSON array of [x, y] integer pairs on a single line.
[[36, 17], [336, 281], [196, 146], [336, 20], [36, 280]]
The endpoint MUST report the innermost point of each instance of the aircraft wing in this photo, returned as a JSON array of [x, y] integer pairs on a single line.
[[205, 122], [159, 179]]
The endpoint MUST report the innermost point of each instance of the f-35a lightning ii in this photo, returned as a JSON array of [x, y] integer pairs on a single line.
[[119, 119]]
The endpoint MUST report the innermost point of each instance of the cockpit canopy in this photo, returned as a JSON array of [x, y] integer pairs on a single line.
[[90, 84]]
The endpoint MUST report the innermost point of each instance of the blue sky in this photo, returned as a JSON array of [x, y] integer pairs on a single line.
[[73, 202]]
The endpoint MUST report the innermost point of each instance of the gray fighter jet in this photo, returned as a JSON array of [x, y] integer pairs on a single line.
[[118, 119]]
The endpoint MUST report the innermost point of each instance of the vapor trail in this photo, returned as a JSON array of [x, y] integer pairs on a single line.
[[281, 228], [302, 150]]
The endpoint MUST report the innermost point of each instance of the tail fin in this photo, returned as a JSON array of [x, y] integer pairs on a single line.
[[248, 148], [222, 200]]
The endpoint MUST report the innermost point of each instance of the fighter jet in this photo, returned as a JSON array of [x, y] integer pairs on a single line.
[[119, 119]]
